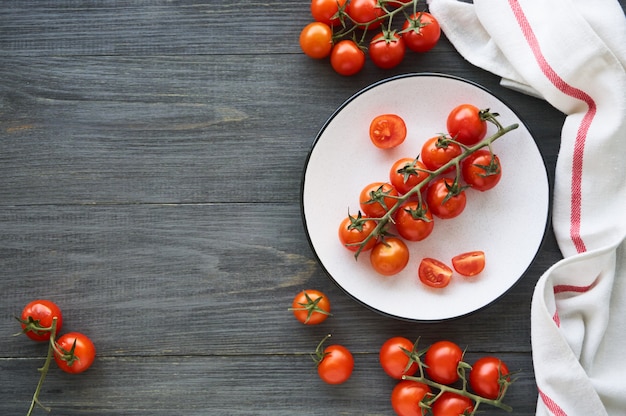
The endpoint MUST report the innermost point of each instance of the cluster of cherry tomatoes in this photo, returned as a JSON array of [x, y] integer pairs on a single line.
[[418, 189], [73, 352], [341, 29], [430, 381]]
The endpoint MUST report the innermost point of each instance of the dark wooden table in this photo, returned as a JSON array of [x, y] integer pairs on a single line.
[[151, 156]]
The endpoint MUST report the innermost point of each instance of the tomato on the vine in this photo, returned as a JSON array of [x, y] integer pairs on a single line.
[[325, 11], [316, 40], [487, 377], [446, 198], [377, 198], [365, 11], [421, 32], [434, 273], [387, 50], [354, 230], [74, 352], [452, 404], [481, 170], [311, 307], [334, 364], [38, 315], [406, 173], [387, 131], [414, 222], [389, 256], [406, 397], [470, 263], [347, 58], [394, 357], [438, 151], [442, 360], [466, 124]]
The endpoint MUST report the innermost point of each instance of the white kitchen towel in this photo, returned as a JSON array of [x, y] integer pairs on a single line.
[[572, 53]]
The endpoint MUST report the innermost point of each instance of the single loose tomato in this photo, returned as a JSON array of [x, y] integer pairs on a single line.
[[387, 131], [488, 376], [481, 170], [406, 173], [438, 151], [442, 360], [395, 357], [452, 404], [446, 198], [414, 222], [311, 307], [466, 124], [387, 50], [354, 230], [347, 58], [75, 352], [434, 273], [37, 317], [316, 40], [377, 198], [325, 11], [421, 32], [365, 11], [470, 263], [334, 364], [390, 256], [407, 396]]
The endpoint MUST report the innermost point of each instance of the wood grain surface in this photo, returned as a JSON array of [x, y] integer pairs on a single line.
[[151, 155]]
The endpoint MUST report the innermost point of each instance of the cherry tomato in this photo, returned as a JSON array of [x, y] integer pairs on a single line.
[[387, 131], [334, 364], [311, 307], [452, 404], [406, 173], [347, 58], [324, 11], [421, 32], [387, 50], [434, 273], [446, 198], [481, 170], [439, 150], [488, 376], [316, 40], [466, 125], [394, 357], [406, 397], [390, 256], [37, 315], [353, 231], [365, 11], [442, 359], [414, 223], [377, 198], [78, 352], [470, 263]]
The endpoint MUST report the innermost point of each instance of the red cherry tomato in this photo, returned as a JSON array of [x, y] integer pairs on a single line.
[[347, 58], [421, 32], [487, 377], [387, 131], [311, 307], [353, 231], [406, 173], [377, 198], [414, 223], [439, 150], [434, 273], [481, 170], [387, 50], [470, 263], [389, 256], [325, 11], [334, 364], [406, 397], [466, 125], [38, 315], [316, 40], [365, 11], [445, 198], [77, 352], [442, 359], [394, 357], [452, 404]]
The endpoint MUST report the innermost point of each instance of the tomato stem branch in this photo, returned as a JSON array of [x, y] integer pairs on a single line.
[[44, 370]]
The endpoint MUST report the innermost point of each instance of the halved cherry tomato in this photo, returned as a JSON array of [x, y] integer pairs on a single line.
[[466, 124], [434, 273], [406, 173], [325, 10], [446, 198], [421, 32], [452, 404], [406, 397], [365, 11], [311, 307], [75, 352], [481, 170], [316, 40], [387, 50], [414, 222], [377, 198], [387, 131], [442, 360], [439, 150], [347, 58], [488, 376], [394, 357], [470, 263], [38, 315], [335, 363], [389, 256]]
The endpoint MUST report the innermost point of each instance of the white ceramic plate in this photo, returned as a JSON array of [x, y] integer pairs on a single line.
[[508, 222]]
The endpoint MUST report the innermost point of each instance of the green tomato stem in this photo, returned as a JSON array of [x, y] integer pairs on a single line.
[[44, 370]]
